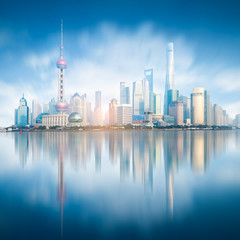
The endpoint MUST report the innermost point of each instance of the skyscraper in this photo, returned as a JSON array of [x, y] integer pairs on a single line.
[[148, 73], [113, 112], [22, 114], [36, 110], [186, 108], [207, 109], [98, 114], [176, 110], [124, 93], [169, 75], [124, 114], [138, 99], [173, 95], [197, 106], [157, 104]]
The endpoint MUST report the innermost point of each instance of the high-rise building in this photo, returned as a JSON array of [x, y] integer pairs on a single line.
[[79, 104], [207, 109], [52, 106], [124, 114], [176, 110], [157, 104], [45, 108], [173, 95], [138, 99], [89, 113], [169, 75], [98, 114], [22, 114], [197, 106], [148, 73], [113, 112], [36, 110], [124, 93], [186, 108]]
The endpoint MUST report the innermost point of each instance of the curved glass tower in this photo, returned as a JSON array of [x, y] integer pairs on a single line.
[[169, 75]]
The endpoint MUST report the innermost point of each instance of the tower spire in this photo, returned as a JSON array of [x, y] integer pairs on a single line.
[[61, 48]]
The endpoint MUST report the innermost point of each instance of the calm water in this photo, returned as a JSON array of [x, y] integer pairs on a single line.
[[124, 185]]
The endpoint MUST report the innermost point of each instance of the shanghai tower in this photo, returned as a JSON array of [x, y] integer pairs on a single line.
[[169, 75]]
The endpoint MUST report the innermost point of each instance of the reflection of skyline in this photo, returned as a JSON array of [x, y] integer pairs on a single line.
[[136, 153]]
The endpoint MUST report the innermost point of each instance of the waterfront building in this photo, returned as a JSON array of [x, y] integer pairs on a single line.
[[138, 99], [169, 120], [124, 93], [148, 121], [207, 109], [137, 119], [23, 113], [52, 106], [169, 75], [146, 94], [124, 114], [56, 120], [45, 108], [173, 95], [75, 120], [89, 113], [197, 106], [36, 110], [113, 112], [98, 114], [157, 104], [186, 108], [237, 120], [176, 110], [218, 116], [79, 104]]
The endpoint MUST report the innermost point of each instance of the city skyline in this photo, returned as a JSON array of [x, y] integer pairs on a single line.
[[198, 60]]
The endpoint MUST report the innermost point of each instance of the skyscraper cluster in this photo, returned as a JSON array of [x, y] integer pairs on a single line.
[[144, 107]]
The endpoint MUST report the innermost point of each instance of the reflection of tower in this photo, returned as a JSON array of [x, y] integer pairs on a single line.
[[98, 151], [61, 187], [61, 65]]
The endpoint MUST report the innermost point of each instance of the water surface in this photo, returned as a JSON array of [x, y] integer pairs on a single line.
[[120, 184]]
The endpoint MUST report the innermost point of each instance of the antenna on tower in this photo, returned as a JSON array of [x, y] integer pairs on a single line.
[[61, 48]]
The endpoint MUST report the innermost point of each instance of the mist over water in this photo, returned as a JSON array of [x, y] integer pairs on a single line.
[[120, 184]]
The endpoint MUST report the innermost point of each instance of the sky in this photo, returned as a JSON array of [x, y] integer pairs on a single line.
[[106, 42]]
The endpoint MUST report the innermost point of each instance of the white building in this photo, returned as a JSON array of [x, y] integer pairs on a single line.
[[36, 110], [197, 106], [60, 120], [124, 114], [113, 112]]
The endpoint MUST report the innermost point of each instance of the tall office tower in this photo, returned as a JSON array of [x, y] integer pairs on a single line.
[[89, 113], [61, 65], [124, 114], [186, 108], [169, 75], [113, 112], [138, 99], [197, 106], [124, 93], [52, 106], [176, 110], [98, 114], [207, 109], [146, 94], [173, 95], [218, 116], [157, 104], [23, 113], [79, 104], [148, 73], [237, 120], [36, 110], [45, 108]]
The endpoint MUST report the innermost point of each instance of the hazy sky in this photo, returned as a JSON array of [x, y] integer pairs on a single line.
[[106, 42]]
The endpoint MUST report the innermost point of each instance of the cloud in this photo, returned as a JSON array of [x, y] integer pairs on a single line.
[[100, 58]]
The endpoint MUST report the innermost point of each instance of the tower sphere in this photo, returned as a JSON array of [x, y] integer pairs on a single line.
[[61, 63], [61, 107]]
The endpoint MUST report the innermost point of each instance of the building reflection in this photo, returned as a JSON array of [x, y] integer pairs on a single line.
[[138, 154]]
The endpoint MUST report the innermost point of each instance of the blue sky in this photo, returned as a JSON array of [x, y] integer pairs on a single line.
[[111, 41]]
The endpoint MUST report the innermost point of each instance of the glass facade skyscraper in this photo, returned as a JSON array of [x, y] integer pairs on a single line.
[[22, 114], [169, 75], [124, 93], [173, 95]]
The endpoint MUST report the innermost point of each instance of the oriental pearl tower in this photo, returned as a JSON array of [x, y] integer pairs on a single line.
[[61, 106]]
